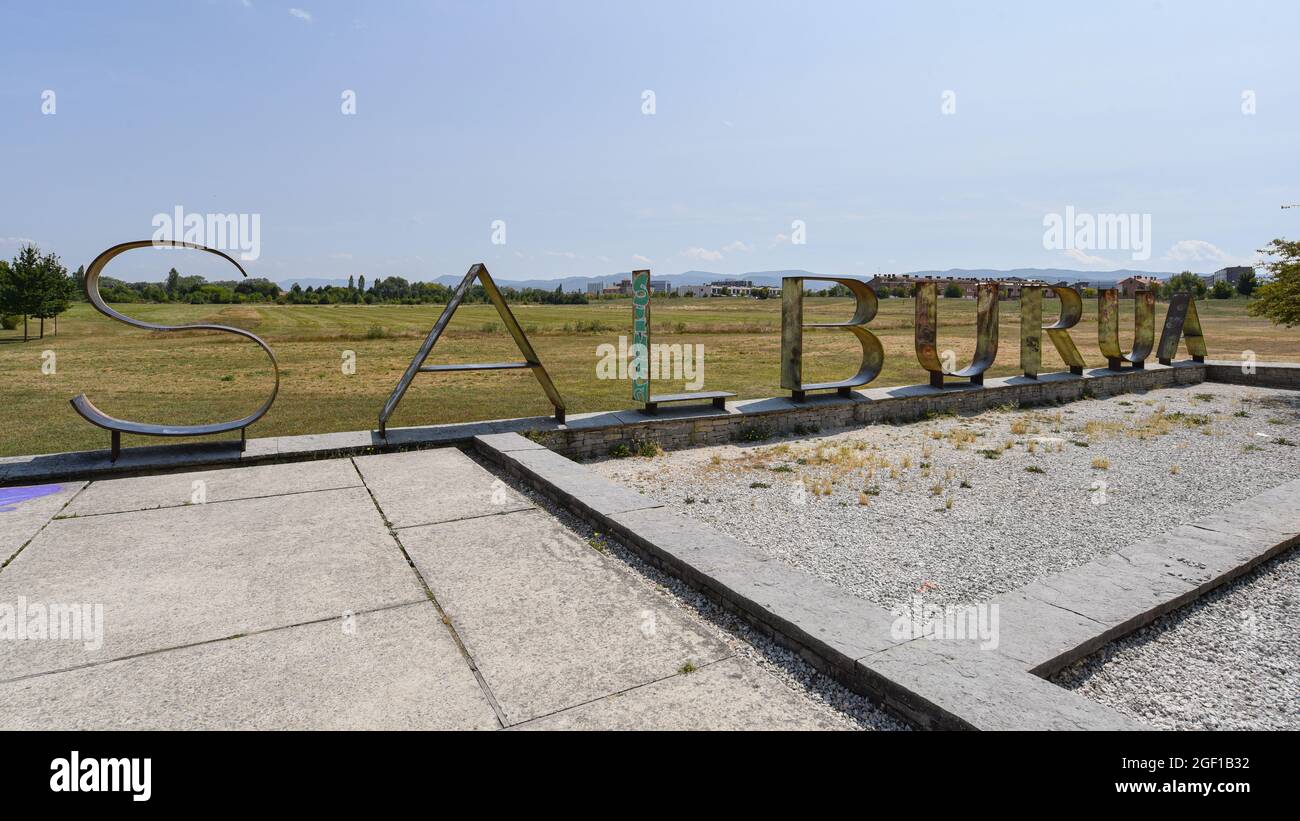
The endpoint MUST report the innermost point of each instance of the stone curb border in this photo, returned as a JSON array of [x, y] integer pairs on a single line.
[[593, 434], [932, 684]]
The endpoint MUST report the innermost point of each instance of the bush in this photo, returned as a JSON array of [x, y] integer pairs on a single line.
[[10, 321]]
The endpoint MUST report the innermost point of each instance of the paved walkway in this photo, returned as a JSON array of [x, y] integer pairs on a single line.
[[406, 591]]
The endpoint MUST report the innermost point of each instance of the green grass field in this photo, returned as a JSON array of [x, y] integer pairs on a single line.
[[187, 378]]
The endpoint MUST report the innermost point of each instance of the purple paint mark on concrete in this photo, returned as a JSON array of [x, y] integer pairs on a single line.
[[13, 496]]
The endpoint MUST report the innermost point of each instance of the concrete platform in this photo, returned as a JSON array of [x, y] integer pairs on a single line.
[[286, 601]]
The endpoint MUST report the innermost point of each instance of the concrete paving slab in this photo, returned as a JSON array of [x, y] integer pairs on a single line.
[[397, 669], [732, 694], [423, 487], [25, 510], [550, 622], [1042, 636], [176, 489], [838, 625], [177, 576]]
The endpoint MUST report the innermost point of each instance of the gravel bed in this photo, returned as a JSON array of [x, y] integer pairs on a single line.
[[831, 699], [964, 508], [1228, 661]]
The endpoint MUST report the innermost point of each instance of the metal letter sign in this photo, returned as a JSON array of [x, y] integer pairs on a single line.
[[477, 271], [1144, 320], [643, 364], [117, 427], [1181, 321], [792, 325], [640, 336], [927, 332], [1031, 328]]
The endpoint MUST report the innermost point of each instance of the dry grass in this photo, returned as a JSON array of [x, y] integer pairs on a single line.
[[206, 377]]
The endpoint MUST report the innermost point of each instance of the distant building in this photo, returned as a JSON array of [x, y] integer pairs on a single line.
[[595, 287], [1229, 275], [1129, 287]]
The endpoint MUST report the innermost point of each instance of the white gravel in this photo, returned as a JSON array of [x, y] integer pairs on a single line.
[[1173, 455], [831, 699], [1229, 661]]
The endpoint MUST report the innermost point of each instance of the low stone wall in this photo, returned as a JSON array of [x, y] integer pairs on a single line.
[[591, 435], [595, 435], [1284, 375]]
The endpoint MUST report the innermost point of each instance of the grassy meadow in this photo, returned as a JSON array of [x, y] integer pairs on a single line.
[[192, 377]]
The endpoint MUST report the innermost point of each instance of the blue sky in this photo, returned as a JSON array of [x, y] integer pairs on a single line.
[[765, 113]]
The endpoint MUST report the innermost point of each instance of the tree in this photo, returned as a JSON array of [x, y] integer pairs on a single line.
[[1222, 290], [953, 291], [1279, 298], [34, 286], [1246, 282], [1189, 283], [352, 283], [173, 282]]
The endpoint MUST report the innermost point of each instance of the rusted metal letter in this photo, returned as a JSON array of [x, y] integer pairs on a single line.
[[1144, 335], [792, 325], [1181, 321], [927, 333], [1031, 328]]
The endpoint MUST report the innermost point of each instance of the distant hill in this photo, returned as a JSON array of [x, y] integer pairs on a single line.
[[577, 283]]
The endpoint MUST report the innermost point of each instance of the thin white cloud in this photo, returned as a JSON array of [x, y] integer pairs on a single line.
[[1196, 250], [641, 259], [737, 246], [18, 241], [702, 254], [565, 254], [301, 14], [1079, 256]]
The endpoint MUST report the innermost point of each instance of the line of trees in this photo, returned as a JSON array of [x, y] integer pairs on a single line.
[[33, 286]]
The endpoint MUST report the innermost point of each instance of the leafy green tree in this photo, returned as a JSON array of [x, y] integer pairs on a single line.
[[173, 283], [953, 291], [34, 286], [1222, 290], [1246, 282], [1189, 283], [1279, 298]]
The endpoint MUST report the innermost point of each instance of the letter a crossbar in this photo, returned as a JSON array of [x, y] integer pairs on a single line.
[[477, 271]]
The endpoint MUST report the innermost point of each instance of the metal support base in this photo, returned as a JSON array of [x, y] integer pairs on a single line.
[[977, 379], [798, 396], [936, 379], [559, 417], [1077, 370], [116, 446], [1113, 364]]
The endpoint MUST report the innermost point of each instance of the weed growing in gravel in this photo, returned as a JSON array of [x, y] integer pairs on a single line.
[[1251, 446], [781, 469], [947, 503], [1079, 443], [965, 483], [759, 484], [1174, 470], [620, 451], [754, 433], [1277, 421], [936, 489], [687, 668], [1204, 397], [989, 453], [1282, 440], [864, 498], [646, 447], [597, 543], [1241, 414], [1101, 464], [1034, 469], [874, 490], [961, 437]]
